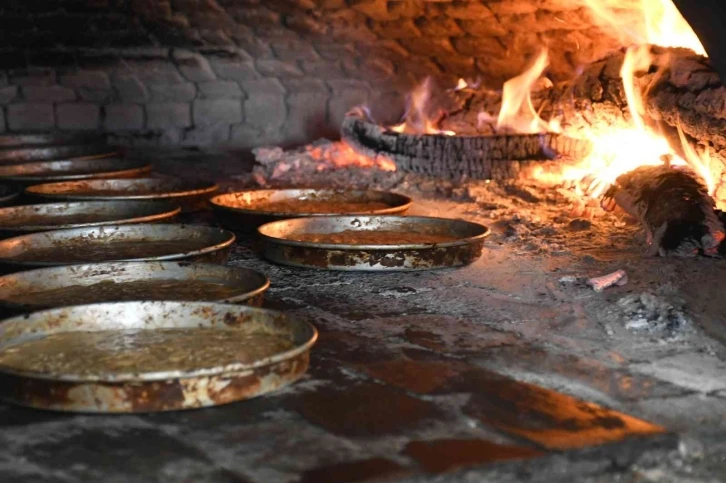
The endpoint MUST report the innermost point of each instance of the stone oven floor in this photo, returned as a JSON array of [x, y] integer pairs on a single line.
[[405, 382]]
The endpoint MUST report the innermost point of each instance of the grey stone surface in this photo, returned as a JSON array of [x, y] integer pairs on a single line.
[[38, 76], [48, 93], [373, 41], [91, 85], [3, 123], [709, 376], [278, 68], [343, 98], [30, 116], [154, 71], [218, 111], [162, 115], [8, 94], [210, 135], [265, 106], [307, 108], [246, 136], [123, 117], [129, 87], [174, 92], [219, 90], [78, 115], [234, 70], [194, 66]]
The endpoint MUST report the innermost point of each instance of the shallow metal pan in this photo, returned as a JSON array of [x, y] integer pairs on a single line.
[[73, 169], [25, 154], [190, 386], [465, 246], [245, 210], [47, 139], [20, 220], [99, 244], [190, 195], [52, 287]]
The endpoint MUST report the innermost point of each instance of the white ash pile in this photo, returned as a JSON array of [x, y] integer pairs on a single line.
[[322, 163], [654, 314]]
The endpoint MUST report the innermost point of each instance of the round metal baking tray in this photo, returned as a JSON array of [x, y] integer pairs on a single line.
[[190, 195], [46, 288], [246, 210], [183, 384], [28, 139], [461, 244], [98, 244], [19, 220], [73, 169], [25, 154]]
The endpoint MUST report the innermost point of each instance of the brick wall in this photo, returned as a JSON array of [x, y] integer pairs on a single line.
[[251, 72]]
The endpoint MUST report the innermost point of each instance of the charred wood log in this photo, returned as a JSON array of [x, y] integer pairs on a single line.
[[674, 207], [680, 90], [440, 155]]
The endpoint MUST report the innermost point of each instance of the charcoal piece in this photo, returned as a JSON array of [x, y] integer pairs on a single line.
[[674, 207]]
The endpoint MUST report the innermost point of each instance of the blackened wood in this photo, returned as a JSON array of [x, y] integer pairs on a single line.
[[674, 207], [479, 157], [680, 90]]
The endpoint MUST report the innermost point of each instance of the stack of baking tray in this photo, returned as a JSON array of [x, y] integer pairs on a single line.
[[115, 308]]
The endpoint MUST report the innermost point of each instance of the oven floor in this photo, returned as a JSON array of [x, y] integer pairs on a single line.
[[473, 374]]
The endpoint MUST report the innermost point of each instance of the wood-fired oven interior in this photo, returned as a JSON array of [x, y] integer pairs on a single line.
[[362, 240]]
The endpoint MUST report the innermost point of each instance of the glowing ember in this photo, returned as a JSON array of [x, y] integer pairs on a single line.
[[417, 118], [340, 155]]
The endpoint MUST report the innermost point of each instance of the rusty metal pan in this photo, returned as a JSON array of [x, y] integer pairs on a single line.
[[25, 154], [97, 244], [247, 210], [52, 287], [373, 243], [176, 378], [20, 220], [20, 140], [73, 169], [189, 194]]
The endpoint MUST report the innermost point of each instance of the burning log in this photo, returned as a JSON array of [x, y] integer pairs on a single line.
[[679, 90], [674, 207], [450, 156]]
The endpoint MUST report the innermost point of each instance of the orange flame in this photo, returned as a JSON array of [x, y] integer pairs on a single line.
[[517, 114], [618, 151], [417, 118], [659, 23]]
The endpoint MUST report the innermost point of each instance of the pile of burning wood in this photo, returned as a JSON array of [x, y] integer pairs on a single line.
[[638, 130]]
